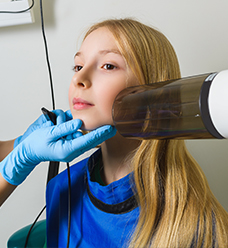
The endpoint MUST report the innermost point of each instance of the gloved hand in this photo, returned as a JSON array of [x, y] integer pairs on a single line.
[[42, 122], [48, 144]]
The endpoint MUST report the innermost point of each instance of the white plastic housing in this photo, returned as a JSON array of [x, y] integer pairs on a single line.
[[218, 102]]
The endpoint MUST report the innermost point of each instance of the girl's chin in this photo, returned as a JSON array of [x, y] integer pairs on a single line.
[[92, 126], [85, 127]]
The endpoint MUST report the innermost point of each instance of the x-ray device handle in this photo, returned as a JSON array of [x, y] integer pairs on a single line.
[[53, 165]]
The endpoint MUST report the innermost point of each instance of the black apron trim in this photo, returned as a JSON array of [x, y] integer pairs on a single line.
[[120, 208]]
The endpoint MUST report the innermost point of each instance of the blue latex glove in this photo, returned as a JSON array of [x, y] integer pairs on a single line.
[[42, 122], [48, 144]]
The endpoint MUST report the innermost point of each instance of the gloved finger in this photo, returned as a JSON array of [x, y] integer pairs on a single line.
[[39, 123], [34, 127], [70, 149], [73, 135], [68, 115], [46, 124], [77, 134], [17, 141], [66, 128], [94, 138], [61, 117]]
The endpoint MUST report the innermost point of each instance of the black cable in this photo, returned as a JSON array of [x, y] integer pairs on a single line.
[[69, 205], [68, 167], [53, 103], [17, 12], [69, 212], [47, 57], [27, 238]]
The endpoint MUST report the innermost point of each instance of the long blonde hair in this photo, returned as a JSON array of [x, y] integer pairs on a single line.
[[177, 207]]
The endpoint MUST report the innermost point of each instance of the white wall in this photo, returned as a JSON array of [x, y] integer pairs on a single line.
[[197, 30]]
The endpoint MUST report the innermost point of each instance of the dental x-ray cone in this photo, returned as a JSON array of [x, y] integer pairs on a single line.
[[188, 108]]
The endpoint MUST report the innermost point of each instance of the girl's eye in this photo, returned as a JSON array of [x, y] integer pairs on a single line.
[[77, 68], [109, 67]]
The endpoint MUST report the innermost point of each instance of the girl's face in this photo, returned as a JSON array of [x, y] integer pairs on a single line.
[[100, 74]]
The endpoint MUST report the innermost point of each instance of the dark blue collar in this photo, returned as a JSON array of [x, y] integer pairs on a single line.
[[117, 197]]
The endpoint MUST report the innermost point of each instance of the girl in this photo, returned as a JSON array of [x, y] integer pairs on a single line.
[[130, 193]]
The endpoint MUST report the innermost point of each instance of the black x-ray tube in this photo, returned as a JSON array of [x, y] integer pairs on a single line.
[[194, 107]]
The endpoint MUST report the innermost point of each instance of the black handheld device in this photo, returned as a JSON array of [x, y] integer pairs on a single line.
[[53, 165], [49, 115]]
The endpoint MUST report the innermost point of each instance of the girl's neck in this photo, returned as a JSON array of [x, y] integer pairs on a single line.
[[116, 154]]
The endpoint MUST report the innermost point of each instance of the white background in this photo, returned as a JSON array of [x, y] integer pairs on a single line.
[[197, 29]]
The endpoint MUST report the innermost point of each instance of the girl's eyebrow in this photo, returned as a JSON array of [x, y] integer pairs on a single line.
[[77, 54], [116, 51], [102, 52]]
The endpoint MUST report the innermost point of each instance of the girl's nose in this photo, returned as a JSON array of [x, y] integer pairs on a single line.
[[82, 79]]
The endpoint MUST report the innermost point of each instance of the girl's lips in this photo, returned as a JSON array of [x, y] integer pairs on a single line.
[[80, 104]]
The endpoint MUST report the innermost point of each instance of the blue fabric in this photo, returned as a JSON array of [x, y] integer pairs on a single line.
[[90, 227]]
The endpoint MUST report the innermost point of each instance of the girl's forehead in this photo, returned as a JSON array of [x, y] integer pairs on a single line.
[[101, 40]]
